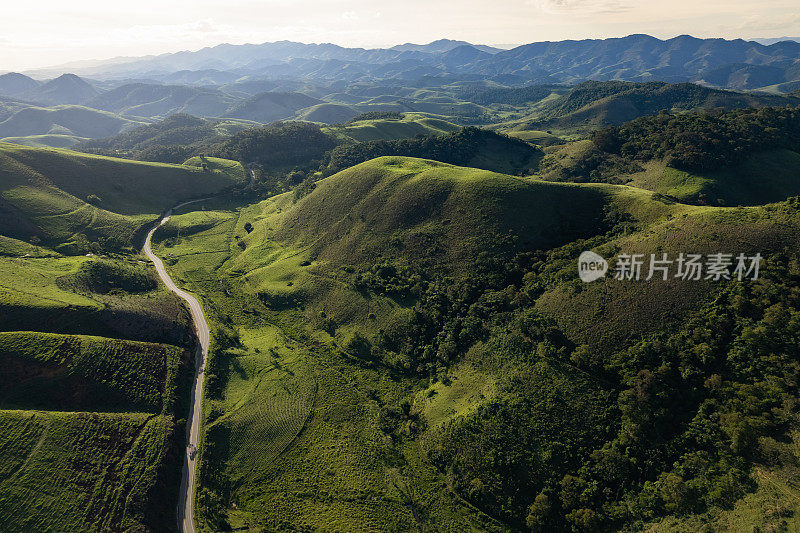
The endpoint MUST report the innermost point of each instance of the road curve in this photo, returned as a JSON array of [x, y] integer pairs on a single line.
[[186, 499]]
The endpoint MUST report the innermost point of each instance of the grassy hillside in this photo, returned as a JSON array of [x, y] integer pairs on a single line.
[[93, 385], [403, 126], [72, 120], [413, 202], [47, 371], [46, 141], [327, 113], [83, 471], [469, 146], [58, 196]]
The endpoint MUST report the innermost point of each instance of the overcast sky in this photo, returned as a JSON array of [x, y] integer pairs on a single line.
[[48, 32]]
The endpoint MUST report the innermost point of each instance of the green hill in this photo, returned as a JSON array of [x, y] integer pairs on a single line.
[[172, 140], [269, 107], [400, 126], [470, 146], [327, 113], [595, 104], [71, 120], [53, 182], [743, 157], [46, 141], [434, 317], [412, 202], [81, 373]]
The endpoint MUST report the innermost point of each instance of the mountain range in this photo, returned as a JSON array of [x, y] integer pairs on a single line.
[[733, 64]]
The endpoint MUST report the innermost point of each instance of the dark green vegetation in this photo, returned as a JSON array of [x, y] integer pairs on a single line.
[[743, 157], [468, 147], [168, 141], [593, 104], [407, 345], [94, 355]]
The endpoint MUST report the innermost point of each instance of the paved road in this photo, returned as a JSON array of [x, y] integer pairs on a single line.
[[185, 503]]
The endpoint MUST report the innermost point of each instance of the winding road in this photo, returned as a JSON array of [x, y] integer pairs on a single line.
[[186, 500]]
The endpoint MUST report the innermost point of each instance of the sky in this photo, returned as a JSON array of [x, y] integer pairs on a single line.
[[52, 32]]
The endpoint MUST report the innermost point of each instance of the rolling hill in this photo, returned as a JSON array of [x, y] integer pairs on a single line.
[[77, 121], [390, 126], [146, 100], [96, 356], [65, 89], [591, 105], [64, 197], [327, 113], [441, 310], [268, 107]]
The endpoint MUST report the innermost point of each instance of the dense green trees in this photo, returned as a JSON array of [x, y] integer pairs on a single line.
[[703, 141], [670, 425], [276, 144], [457, 148]]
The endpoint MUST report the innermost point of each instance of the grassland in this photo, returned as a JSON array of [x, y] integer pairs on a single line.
[[763, 178], [141, 191], [81, 471]]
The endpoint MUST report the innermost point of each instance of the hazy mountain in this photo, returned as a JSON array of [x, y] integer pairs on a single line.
[[199, 77], [441, 46], [15, 84], [268, 107], [145, 100], [66, 89], [773, 40], [638, 58], [730, 64]]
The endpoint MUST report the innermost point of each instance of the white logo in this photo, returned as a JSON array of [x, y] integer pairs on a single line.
[[591, 266]]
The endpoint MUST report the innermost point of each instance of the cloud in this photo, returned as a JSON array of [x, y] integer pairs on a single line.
[[580, 7], [760, 23]]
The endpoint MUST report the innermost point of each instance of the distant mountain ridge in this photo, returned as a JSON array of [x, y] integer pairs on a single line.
[[732, 64]]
